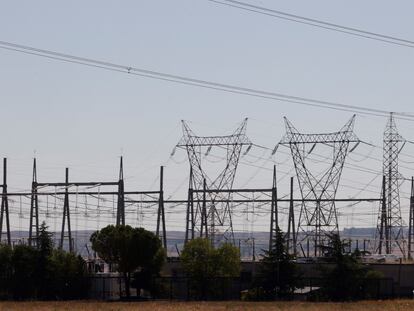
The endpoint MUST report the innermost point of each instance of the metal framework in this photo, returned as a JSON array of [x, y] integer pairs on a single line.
[[4, 213], [212, 218], [390, 229], [66, 231], [318, 218], [411, 222], [274, 213]]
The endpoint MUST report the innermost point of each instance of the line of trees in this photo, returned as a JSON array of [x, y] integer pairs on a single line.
[[343, 277], [209, 271], [41, 272]]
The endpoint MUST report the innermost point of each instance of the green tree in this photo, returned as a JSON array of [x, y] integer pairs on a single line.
[[202, 263], [131, 249], [44, 241], [41, 272], [44, 272], [279, 273], [345, 281], [6, 254], [24, 263], [69, 275], [6, 269]]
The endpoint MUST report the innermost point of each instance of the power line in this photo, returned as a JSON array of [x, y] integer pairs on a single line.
[[316, 23], [198, 82]]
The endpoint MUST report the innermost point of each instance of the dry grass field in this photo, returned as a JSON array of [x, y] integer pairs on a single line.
[[389, 305]]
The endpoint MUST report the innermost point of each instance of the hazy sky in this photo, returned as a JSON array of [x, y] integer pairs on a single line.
[[85, 118]]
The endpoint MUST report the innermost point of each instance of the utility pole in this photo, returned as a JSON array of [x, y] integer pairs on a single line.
[[274, 221], [66, 214], [34, 210], [120, 215], [291, 222], [161, 211], [5, 205]]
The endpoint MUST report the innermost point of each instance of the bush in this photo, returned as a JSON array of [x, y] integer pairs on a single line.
[[40, 272], [209, 270]]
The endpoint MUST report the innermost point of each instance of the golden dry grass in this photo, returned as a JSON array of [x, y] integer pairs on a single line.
[[389, 305]]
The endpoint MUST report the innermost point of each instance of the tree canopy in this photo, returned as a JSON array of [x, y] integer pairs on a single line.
[[203, 264], [130, 249]]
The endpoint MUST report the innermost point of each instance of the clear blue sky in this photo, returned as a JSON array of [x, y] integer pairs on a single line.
[[83, 117]]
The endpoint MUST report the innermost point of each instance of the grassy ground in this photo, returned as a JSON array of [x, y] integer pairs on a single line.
[[389, 305]]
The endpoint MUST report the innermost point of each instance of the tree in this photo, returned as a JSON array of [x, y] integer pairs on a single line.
[[44, 272], [129, 248], [69, 275], [203, 263], [41, 272], [24, 263], [279, 273], [5, 261], [345, 281], [6, 270], [44, 241]]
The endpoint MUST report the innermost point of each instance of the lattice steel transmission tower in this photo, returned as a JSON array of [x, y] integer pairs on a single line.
[[318, 216], [209, 213], [390, 229]]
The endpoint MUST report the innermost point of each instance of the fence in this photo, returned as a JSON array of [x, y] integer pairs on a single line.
[[112, 287]]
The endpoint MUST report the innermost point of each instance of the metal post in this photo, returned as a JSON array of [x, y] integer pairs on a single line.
[[411, 221], [5, 205], [254, 250], [383, 228], [66, 215], [189, 222], [120, 216], [291, 221], [34, 209], [274, 221], [161, 211], [204, 212]]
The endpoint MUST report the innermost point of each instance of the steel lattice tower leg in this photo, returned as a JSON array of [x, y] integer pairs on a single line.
[[394, 233], [291, 233], [411, 222]]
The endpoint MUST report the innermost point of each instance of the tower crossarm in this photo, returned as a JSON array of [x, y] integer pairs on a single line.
[[293, 136], [206, 141]]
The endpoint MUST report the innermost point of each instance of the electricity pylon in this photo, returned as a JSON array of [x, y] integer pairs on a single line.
[[210, 211], [390, 229], [318, 216]]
